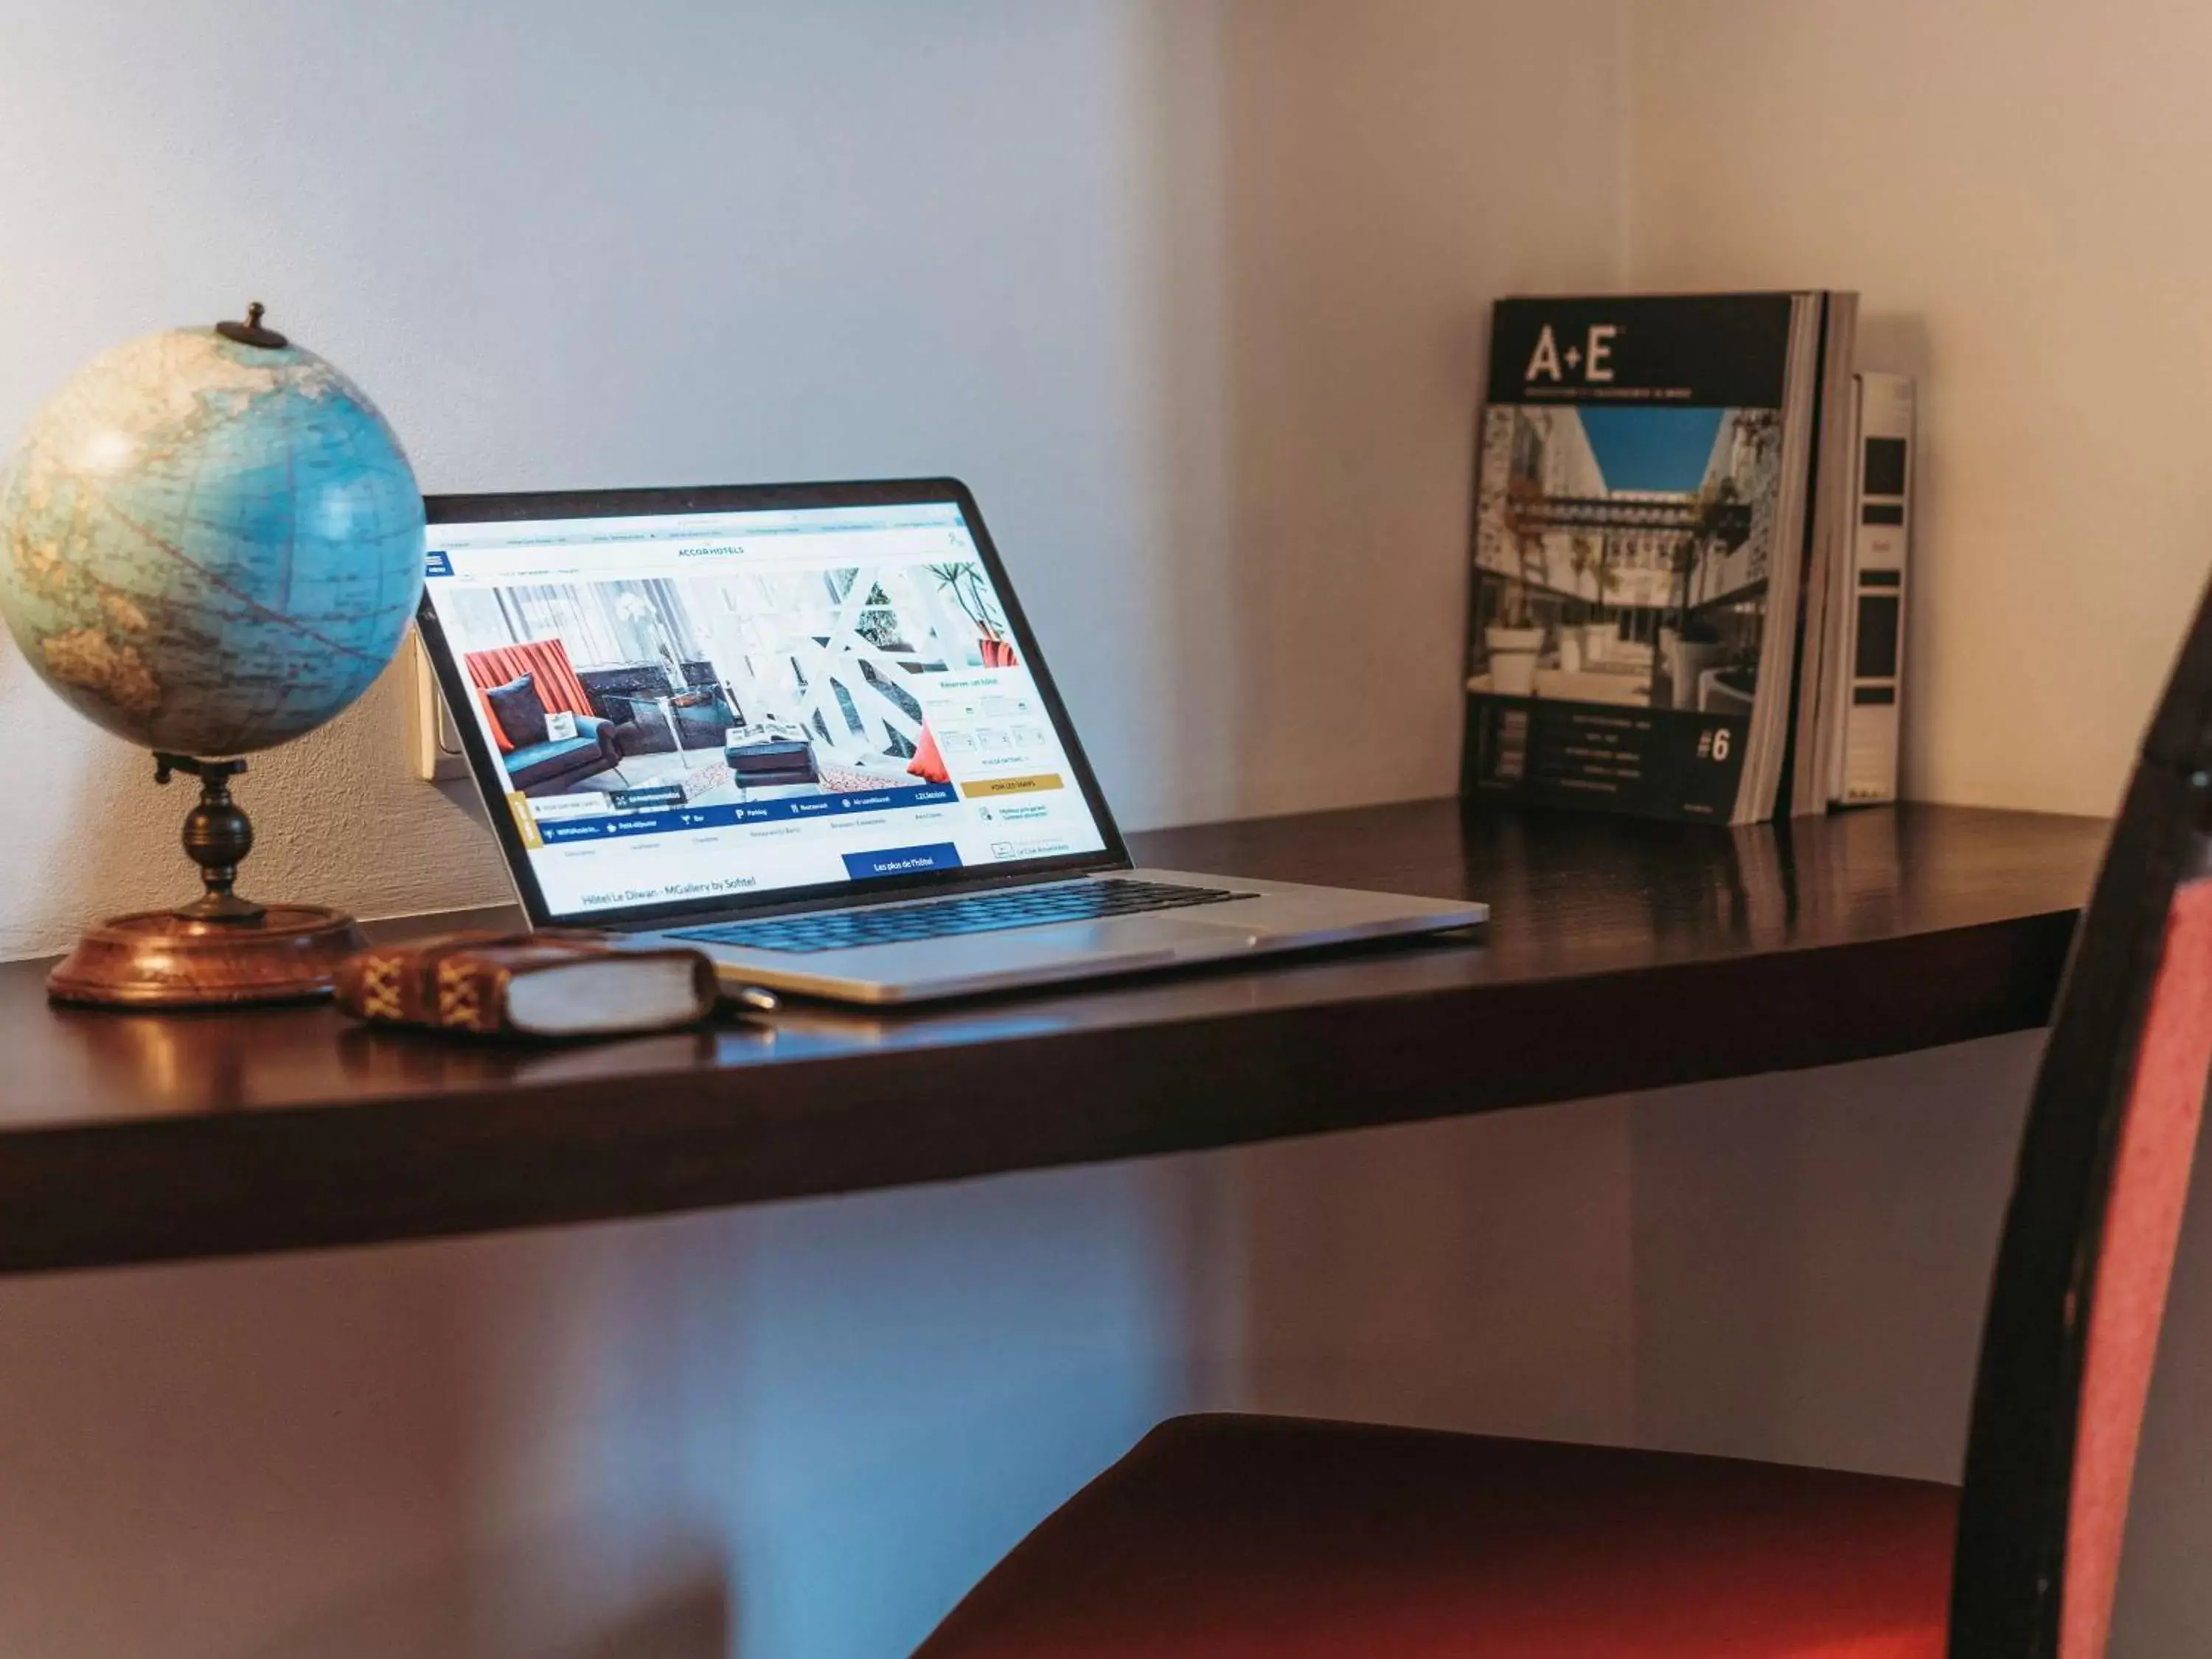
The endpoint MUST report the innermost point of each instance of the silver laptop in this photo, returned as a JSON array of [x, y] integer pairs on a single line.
[[806, 730]]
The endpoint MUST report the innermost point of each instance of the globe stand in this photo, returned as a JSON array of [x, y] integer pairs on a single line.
[[220, 949]]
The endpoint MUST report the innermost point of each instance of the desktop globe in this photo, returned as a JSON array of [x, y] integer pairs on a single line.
[[211, 543], [214, 546]]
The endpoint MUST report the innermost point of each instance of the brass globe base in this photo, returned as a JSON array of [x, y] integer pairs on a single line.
[[159, 959], [220, 950]]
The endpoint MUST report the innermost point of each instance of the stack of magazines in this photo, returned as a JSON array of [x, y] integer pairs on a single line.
[[1662, 543]]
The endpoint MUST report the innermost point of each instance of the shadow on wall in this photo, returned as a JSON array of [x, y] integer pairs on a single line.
[[548, 1598], [1330, 221], [1813, 1253], [1472, 1274], [693, 1624]]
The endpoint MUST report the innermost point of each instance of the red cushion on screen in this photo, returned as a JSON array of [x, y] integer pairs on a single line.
[[1270, 1537], [546, 662], [491, 719]]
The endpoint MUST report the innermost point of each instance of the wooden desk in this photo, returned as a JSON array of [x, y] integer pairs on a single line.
[[1621, 955]]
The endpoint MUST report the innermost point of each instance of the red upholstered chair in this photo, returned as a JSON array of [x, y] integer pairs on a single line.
[[546, 661], [1272, 1538]]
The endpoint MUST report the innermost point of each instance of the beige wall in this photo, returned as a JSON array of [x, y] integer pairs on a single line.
[[2014, 186]]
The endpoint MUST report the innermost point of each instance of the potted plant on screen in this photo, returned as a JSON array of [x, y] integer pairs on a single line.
[[965, 582]]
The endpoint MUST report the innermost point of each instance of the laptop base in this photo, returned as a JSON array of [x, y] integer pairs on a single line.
[[1278, 917]]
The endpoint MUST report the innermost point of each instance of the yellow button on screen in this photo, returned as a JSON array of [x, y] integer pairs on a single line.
[[1029, 786], [526, 825]]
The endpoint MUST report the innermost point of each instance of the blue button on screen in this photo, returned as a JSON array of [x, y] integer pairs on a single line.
[[903, 860]]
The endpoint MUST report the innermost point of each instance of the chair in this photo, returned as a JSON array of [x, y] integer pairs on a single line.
[[653, 716], [535, 764], [1223, 1535]]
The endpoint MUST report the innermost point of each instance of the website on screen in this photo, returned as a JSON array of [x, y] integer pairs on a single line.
[[692, 706]]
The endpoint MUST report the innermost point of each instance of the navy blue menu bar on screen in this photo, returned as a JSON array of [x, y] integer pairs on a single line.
[[766, 811]]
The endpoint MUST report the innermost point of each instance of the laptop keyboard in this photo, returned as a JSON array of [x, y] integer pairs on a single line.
[[981, 913]]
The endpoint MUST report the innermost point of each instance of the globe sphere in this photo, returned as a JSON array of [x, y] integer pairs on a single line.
[[208, 547]]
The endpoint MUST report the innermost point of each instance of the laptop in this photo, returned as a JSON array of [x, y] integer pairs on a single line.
[[806, 730]]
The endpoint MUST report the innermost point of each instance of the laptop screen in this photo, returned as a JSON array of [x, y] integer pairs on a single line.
[[688, 708]]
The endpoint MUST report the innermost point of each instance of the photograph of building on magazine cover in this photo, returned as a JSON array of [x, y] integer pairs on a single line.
[[1622, 554]]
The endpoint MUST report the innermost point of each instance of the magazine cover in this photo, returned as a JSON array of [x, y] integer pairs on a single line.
[[1633, 522]]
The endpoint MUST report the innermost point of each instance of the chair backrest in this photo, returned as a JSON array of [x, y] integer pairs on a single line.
[[2089, 1241]]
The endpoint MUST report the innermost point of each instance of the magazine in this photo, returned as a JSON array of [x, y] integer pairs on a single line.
[[1819, 717], [1641, 531]]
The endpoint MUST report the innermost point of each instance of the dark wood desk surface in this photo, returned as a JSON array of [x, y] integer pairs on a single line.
[[1621, 955]]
